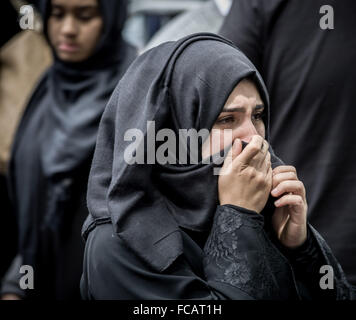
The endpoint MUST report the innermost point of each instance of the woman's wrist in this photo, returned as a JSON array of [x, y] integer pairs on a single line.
[[240, 209]]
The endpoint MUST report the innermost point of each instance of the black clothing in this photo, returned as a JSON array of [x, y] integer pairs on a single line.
[[9, 23], [52, 152], [8, 239], [148, 223], [238, 262], [9, 26], [135, 195], [310, 76]]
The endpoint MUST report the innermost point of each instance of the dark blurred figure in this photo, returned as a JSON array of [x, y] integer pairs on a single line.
[[55, 141], [309, 70], [13, 56], [7, 229], [9, 27], [8, 23], [24, 57], [207, 18]]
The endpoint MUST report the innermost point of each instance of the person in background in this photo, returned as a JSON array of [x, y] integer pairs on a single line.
[[55, 141], [208, 18], [27, 51], [306, 53], [10, 26]]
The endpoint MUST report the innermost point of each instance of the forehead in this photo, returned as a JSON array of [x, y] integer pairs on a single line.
[[244, 95], [75, 3]]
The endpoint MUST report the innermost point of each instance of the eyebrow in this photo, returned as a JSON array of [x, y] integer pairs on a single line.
[[80, 7], [86, 7], [242, 109]]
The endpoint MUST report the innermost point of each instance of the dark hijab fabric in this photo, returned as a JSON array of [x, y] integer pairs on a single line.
[[56, 137], [179, 85]]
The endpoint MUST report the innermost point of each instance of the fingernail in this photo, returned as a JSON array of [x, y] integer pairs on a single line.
[[276, 203], [274, 191], [236, 143]]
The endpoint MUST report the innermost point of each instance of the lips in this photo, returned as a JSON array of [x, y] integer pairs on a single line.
[[68, 47]]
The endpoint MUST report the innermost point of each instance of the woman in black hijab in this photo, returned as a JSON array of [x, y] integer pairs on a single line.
[[163, 228], [56, 138]]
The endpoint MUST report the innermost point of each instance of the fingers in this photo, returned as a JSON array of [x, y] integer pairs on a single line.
[[236, 148], [254, 148], [285, 180], [255, 155], [234, 151], [265, 147], [260, 159], [282, 169], [289, 186], [279, 220], [266, 164], [298, 214], [280, 177], [290, 216], [290, 199]]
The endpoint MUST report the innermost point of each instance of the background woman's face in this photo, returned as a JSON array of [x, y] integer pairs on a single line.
[[242, 114], [74, 28]]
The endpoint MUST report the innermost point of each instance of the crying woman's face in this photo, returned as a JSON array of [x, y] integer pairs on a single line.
[[242, 113]]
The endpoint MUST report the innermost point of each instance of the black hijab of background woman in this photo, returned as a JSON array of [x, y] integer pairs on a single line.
[[54, 146], [179, 85]]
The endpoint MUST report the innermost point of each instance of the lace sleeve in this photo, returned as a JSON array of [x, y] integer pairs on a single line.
[[238, 252]]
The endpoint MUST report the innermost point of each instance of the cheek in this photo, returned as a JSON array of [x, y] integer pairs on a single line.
[[217, 141], [53, 30], [261, 129], [90, 34], [220, 139], [226, 138]]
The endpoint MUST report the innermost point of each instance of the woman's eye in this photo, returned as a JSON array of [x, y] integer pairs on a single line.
[[225, 120], [57, 13], [85, 17], [258, 116]]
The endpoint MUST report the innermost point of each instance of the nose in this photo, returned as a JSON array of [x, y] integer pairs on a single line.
[[69, 27], [246, 131]]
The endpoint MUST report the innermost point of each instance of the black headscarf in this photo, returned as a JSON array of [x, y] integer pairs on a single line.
[[57, 134], [179, 85]]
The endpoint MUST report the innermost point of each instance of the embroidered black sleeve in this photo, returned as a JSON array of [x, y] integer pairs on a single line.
[[238, 252], [306, 261]]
